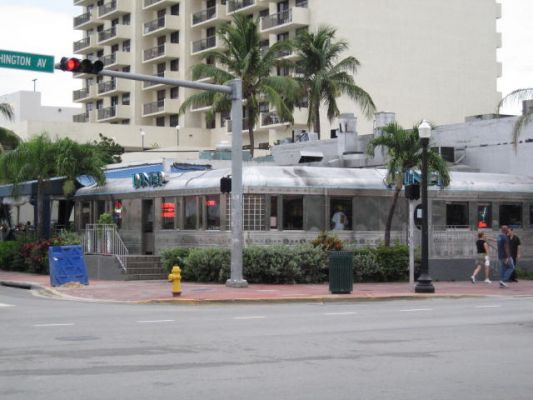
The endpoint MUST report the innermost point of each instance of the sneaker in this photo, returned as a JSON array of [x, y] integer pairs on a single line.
[[487, 280], [503, 284], [473, 279]]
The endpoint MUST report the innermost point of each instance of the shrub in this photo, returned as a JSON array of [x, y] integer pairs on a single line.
[[35, 255], [327, 242], [381, 264], [105, 218], [176, 256], [208, 265], [10, 256], [65, 238]]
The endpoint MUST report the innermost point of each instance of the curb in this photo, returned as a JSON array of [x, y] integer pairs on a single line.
[[21, 285]]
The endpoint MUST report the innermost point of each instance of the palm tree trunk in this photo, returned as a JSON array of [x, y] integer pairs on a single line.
[[316, 111], [388, 224], [251, 138]]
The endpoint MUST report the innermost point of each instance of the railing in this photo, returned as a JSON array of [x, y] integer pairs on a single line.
[[301, 3], [204, 15], [148, 3], [147, 84], [81, 44], [80, 94], [273, 20], [154, 52], [109, 112], [451, 241], [237, 5], [107, 86], [81, 19], [109, 59], [84, 117], [107, 8], [104, 239], [271, 118], [154, 107], [204, 44], [154, 25]]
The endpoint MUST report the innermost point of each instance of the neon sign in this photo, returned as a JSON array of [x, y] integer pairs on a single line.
[[149, 179]]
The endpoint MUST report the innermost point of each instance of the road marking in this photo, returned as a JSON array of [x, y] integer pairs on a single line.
[[156, 321], [341, 313], [6, 305], [416, 309], [493, 306], [48, 325], [251, 317]]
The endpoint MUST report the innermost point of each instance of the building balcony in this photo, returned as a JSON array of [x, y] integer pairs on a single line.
[[85, 21], [114, 86], [113, 113], [245, 126], [86, 45], [158, 4], [249, 6], [271, 120], [209, 17], [115, 34], [163, 52], [84, 94], [202, 45], [157, 85], [114, 8], [83, 2], [117, 59], [161, 25], [161, 107], [296, 17], [87, 116]]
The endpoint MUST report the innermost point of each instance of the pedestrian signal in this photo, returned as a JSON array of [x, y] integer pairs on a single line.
[[225, 184]]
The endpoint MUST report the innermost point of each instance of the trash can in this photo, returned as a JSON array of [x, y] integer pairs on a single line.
[[340, 272], [67, 265]]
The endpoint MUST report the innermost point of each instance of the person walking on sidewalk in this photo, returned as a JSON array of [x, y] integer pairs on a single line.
[[482, 258], [514, 246], [504, 256]]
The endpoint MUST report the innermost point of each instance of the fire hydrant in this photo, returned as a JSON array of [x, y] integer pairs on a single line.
[[175, 278]]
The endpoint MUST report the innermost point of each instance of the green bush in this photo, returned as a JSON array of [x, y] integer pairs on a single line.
[[176, 256], [35, 255], [381, 264], [10, 259], [208, 265], [65, 238], [327, 241]]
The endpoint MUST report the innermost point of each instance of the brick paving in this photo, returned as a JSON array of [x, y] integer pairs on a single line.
[[160, 290]]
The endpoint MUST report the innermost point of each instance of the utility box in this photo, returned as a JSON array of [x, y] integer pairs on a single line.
[[67, 265], [340, 272]]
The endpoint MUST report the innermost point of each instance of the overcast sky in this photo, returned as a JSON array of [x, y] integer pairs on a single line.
[[45, 27]]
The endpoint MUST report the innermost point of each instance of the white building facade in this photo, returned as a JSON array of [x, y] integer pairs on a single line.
[[433, 59]]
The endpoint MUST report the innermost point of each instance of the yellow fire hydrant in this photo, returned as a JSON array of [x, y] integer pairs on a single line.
[[175, 278]]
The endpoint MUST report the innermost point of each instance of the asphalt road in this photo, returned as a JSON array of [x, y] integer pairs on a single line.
[[419, 349]]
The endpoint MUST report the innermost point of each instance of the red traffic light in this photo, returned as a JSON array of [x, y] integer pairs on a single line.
[[86, 66]]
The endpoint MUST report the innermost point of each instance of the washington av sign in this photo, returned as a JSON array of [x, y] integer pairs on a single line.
[[27, 61]]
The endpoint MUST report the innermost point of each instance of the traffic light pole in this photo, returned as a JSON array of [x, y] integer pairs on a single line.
[[235, 90]]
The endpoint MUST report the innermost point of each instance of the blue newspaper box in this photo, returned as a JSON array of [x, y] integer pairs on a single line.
[[67, 265]]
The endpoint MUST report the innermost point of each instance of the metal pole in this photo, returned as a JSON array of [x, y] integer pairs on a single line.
[[236, 278], [424, 284], [411, 241]]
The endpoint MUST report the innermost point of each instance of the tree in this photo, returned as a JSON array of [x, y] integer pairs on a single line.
[[41, 159], [323, 79], [110, 149], [515, 97], [6, 110], [8, 140], [404, 153], [243, 57]]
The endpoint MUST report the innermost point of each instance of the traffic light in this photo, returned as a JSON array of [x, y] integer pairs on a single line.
[[86, 66], [225, 184]]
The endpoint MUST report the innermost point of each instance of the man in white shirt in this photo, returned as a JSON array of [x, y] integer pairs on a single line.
[[339, 220]]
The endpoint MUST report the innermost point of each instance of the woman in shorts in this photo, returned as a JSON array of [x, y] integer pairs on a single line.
[[482, 258]]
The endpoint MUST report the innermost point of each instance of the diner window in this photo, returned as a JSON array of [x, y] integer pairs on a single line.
[[212, 205], [254, 212], [484, 216], [530, 215], [85, 214], [190, 213], [100, 208], [273, 212], [340, 214], [168, 212], [511, 215], [457, 214], [292, 213], [314, 213]]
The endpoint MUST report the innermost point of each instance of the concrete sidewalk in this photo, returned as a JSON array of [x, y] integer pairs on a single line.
[[160, 291]]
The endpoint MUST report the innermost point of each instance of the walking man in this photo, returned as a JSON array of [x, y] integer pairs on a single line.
[[514, 247], [504, 256]]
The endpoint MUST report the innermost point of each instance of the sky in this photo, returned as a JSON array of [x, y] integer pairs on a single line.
[[47, 29]]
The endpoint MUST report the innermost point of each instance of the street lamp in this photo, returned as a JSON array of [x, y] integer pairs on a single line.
[[142, 139], [424, 284]]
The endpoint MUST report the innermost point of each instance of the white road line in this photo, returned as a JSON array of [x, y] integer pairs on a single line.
[[6, 305], [416, 309], [156, 321], [493, 306], [341, 313], [49, 325], [251, 317]]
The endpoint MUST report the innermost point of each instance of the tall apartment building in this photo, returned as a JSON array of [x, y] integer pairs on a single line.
[[433, 59]]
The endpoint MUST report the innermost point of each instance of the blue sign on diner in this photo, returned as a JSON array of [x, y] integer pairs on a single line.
[[149, 179]]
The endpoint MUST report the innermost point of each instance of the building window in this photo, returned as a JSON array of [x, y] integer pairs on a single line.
[[174, 120], [511, 215], [175, 64], [168, 212], [160, 121], [175, 37], [292, 213], [212, 205], [175, 9], [174, 92], [126, 45], [190, 213], [273, 212], [254, 212], [314, 213], [484, 216], [340, 214], [210, 122], [126, 99], [126, 19], [85, 214], [457, 214]]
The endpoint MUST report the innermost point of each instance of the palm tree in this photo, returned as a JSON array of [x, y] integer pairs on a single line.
[[8, 140], [323, 79], [515, 97], [6, 111], [243, 57], [404, 153]]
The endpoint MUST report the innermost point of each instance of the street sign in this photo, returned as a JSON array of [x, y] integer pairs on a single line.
[[27, 61]]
